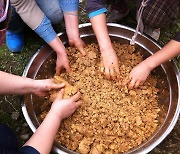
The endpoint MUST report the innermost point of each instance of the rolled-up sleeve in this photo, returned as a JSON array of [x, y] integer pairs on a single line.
[[69, 5], [177, 37], [95, 7]]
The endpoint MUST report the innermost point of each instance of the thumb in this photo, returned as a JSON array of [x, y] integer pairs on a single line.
[[78, 103], [57, 86], [67, 67], [60, 94], [58, 70], [76, 96]]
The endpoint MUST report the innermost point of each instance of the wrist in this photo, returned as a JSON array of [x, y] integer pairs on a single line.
[[107, 49], [55, 116], [30, 86], [149, 64]]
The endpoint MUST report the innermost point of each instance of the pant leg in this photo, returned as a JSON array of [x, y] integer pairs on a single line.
[[51, 9], [16, 24], [8, 141]]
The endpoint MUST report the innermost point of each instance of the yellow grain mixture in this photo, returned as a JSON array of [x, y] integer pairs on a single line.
[[112, 118]]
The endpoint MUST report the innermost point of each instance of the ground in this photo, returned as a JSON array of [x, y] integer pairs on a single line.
[[10, 107]]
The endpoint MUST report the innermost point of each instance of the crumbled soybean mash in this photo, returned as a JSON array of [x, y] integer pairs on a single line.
[[112, 118]]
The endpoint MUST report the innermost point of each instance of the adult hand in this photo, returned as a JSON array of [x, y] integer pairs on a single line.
[[63, 108], [138, 75], [62, 61], [42, 86], [79, 44], [109, 64]]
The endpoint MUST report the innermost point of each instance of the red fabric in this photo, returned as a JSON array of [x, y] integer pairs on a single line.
[[2, 36]]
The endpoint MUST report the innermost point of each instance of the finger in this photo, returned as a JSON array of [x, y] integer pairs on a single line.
[[82, 51], [126, 81], [141, 83], [78, 103], [57, 86], [107, 73], [137, 84], [132, 83], [67, 67], [60, 94], [101, 68], [71, 44], [58, 70], [117, 72], [76, 97], [112, 74]]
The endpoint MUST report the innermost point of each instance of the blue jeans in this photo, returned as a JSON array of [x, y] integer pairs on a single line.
[[51, 9]]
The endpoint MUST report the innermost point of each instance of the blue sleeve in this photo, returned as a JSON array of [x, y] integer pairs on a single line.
[[45, 30], [95, 7], [28, 150], [69, 5]]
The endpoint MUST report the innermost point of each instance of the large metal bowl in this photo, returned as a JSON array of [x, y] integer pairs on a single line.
[[169, 97]]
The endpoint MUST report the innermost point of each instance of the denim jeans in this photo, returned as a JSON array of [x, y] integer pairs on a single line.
[[51, 9]]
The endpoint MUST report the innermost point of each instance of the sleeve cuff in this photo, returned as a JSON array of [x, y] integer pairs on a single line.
[[28, 150], [97, 12], [45, 30]]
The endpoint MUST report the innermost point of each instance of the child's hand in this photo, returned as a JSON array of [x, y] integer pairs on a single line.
[[79, 44], [62, 61], [63, 108], [109, 64], [40, 87], [137, 76]]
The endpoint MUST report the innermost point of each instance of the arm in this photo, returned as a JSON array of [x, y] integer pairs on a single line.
[[70, 10], [43, 138], [109, 61], [140, 73], [12, 84], [32, 15]]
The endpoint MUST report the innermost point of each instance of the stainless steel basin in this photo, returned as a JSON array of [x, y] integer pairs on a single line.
[[169, 97]]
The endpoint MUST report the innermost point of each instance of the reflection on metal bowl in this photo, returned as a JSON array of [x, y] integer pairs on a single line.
[[169, 97]]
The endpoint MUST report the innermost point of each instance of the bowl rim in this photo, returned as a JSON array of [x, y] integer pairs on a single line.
[[164, 134]]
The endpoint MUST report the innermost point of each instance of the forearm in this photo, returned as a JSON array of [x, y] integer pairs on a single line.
[[171, 50], [96, 11], [70, 11], [42, 140], [12, 84], [57, 45], [71, 23], [101, 31]]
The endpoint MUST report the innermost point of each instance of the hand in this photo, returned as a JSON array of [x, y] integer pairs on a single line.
[[42, 86], [79, 44], [109, 64], [138, 75], [63, 108], [62, 61]]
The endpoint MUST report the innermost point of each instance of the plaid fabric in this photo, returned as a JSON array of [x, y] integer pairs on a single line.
[[161, 13], [2, 36], [1, 8], [2, 31]]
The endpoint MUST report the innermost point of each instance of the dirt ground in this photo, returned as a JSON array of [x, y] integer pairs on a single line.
[[10, 106]]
